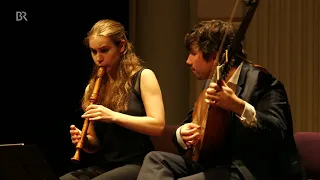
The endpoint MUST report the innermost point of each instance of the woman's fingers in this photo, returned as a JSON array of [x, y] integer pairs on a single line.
[[75, 134]]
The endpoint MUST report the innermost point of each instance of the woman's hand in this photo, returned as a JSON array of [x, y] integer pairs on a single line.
[[75, 134], [100, 113]]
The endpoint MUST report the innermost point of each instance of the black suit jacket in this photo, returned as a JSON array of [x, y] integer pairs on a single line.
[[268, 151]]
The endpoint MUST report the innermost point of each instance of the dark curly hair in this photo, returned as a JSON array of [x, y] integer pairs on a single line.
[[207, 36]]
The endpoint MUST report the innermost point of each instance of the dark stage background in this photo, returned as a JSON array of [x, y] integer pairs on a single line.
[[45, 68]]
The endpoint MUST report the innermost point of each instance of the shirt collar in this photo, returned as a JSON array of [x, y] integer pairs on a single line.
[[234, 78]]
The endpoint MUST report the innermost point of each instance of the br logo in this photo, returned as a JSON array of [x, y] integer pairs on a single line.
[[21, 16]]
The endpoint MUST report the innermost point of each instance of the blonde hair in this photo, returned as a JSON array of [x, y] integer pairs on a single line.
[[117, 95]]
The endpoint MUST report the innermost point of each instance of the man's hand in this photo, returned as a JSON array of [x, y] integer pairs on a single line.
[[224, 97], [189, 133]]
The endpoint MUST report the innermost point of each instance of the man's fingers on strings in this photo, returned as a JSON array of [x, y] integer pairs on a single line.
[[190, 143], [192, 137], [189, 131], [210, 99]]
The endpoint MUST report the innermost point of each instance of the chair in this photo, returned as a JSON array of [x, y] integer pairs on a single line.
[[308, 145]]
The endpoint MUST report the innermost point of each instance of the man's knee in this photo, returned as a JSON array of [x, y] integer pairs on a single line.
[[68, 176], [156, 156]]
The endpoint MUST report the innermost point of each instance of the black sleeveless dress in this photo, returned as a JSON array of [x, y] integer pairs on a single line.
[[121, 145]]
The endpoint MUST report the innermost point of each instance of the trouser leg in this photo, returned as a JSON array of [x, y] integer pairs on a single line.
[[166, 166], [125, 172], [83, 174]]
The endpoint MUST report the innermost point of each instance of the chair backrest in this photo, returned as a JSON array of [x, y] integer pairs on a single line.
[[308, 145]]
